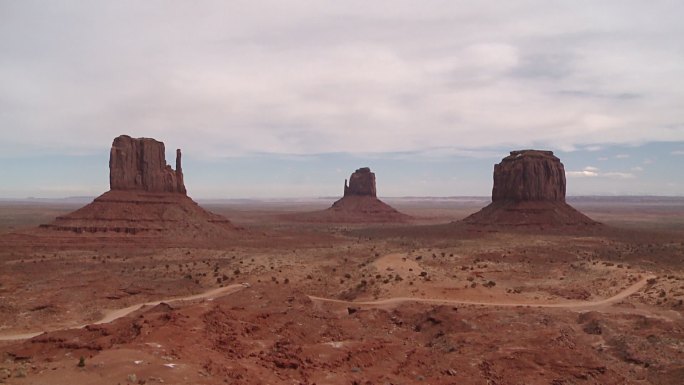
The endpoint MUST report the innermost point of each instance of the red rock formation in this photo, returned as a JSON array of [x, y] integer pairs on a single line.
[[140, 165], [147, 197], [361, 182], [529, 190], [529, 175], [358, 205]]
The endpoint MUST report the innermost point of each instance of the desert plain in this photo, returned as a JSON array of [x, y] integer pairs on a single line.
[[281, 301]]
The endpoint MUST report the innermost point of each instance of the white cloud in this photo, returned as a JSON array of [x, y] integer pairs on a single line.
[[593, 172], [588, 171], [621, 156], [637, 169], [580, 174], [618, 175], [677, 152]]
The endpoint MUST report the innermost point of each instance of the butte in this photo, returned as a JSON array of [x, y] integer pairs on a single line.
[[146, 198], [529, 191], [359, 204]]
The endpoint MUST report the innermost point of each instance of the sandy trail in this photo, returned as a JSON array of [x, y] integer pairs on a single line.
[[578, 305], [119, 313]]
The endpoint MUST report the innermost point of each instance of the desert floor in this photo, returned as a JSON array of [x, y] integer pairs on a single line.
[[283, 302]]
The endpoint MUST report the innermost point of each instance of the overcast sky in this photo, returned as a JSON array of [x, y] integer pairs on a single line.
[[287, 98]]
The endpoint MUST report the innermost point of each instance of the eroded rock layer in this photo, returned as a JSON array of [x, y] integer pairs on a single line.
[[140, 165], [358, 205], [529, 175], [529, 190], [143, 213], [147, 197], [361, 183]]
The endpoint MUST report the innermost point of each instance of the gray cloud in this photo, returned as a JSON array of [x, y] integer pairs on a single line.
[[307, 77]]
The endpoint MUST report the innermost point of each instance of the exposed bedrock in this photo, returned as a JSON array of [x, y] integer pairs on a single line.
[[361, 182], [140, 164], [529, 175]]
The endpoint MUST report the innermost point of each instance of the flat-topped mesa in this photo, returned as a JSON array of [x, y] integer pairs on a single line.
[[361, 182], [529, 175], [140, 165], [529, 192]]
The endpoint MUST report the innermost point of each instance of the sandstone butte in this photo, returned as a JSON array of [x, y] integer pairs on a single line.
[[146, 197], [140, 165], [529, 190], [359, 204]]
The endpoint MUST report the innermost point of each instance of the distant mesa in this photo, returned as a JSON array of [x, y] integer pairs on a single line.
[[359, 204], [146, 196], [529, 190]]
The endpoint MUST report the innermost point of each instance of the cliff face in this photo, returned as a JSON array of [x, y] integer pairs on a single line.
[[146, 197], [529, 175], [361, 182], [529, 191], [140, 165]]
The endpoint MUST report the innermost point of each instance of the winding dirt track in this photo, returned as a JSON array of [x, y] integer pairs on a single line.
[[389, 302], [118, 313]]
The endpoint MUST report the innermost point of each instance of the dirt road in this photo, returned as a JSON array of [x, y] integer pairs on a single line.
[[383, 303], [390, 302], [118, 313]]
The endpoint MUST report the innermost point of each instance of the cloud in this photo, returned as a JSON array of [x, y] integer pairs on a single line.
[[638, 169], [621, 156], [677, 152], [587, 172], [618, 175], [593, 172], [296, 77]]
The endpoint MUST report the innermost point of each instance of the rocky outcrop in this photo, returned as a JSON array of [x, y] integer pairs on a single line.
[[361, 182], [147, 198], [358, 205], [140, 165], [529, 190], [529, 175]]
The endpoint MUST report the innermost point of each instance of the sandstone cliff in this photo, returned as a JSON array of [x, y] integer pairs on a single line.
[[361, 182], [529, 190], [140, 165], [147, 197], [529, 175]]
